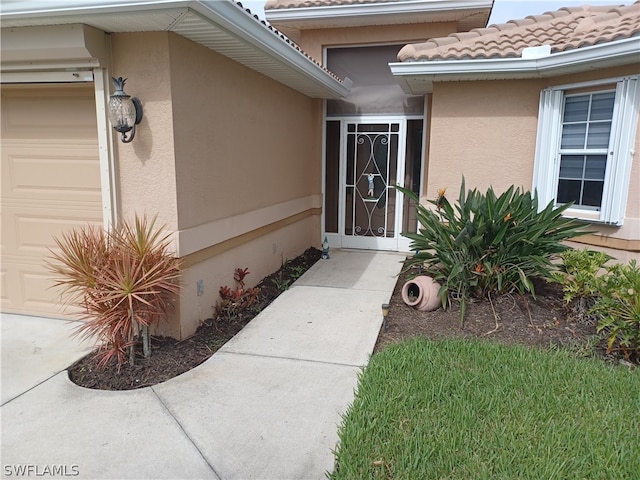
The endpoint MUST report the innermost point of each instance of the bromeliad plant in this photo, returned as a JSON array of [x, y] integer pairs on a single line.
[[123, 280], [488, 244], [233, 301]]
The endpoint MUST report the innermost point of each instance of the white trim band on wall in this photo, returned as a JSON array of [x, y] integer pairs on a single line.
[[197, 238], [47, 77]]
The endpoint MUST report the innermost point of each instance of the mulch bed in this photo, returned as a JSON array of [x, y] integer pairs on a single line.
[[171, 357], [543, 321]]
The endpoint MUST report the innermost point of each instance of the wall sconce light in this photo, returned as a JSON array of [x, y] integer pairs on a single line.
[[385, 312], [124, 112]]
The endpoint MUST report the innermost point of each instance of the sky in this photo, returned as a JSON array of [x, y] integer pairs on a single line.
[[503, 10]]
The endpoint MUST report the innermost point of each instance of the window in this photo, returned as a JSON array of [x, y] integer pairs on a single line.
[[585, 147], [586, 128]]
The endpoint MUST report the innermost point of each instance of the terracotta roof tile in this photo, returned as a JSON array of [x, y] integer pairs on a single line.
[[564, 29]]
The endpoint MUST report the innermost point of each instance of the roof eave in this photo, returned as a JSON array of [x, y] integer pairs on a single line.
[[227, 15], [51, 8], [417, 77], [400, 7], [375, 13], [223, 15]]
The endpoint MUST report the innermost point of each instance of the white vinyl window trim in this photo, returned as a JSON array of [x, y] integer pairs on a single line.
[[620, 152]]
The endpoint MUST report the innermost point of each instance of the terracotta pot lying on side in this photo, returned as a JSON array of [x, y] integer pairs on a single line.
[[422, 293]]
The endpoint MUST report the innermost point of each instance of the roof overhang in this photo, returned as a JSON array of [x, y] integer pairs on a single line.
[[222, 26], [469, 13], [417, 78]]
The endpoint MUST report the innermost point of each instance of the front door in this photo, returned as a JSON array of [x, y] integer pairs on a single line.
[[375, 156], [371, 171]]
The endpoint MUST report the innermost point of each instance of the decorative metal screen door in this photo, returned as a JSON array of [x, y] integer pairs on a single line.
[[371, 169]]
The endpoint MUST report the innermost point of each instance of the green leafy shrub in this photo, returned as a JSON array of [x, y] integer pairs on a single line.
[[488, 244], [233, 301], [618, 307], [579, 276], [286, 275], [123, 280]]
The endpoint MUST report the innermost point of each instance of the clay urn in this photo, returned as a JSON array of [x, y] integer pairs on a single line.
[[422, 293]]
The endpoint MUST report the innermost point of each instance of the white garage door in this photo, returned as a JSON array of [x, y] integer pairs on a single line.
[[50, 184]]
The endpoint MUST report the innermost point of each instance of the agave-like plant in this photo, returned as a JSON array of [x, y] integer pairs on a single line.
[[124, 280], [488, 244]]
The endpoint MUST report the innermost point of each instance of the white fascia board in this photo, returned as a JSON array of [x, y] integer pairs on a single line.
[[619, 52], [224, 14], [229, 16], [373, 9], [50, 8]]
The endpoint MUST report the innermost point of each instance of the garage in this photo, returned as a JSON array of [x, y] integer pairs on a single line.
[[50, 183]]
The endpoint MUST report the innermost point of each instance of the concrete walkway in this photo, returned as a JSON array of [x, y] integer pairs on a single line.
[[265, 406]]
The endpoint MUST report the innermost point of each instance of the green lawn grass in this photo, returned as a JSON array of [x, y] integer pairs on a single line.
[[457, 409]]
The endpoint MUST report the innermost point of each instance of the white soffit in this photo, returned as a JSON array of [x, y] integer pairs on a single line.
[[222, 26], [417, 78]]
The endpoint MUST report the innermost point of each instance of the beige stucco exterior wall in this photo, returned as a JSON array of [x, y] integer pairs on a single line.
[[242, 140], [146, 166], [262, 255], [229, 159], [486, 131], [498, 122], [248, 163]]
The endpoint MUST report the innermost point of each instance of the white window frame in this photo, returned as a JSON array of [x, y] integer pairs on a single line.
[[620, 152]]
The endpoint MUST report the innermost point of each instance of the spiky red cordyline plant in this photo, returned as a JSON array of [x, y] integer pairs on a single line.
[[123, 280]]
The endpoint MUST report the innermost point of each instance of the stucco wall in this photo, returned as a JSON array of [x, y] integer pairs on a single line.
[[263, 255], [248, 161], [146, 165], [228, 158], [486, 131], [242, 140]]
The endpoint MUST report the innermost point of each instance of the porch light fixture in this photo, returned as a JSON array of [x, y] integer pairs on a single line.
[[124, 112]]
